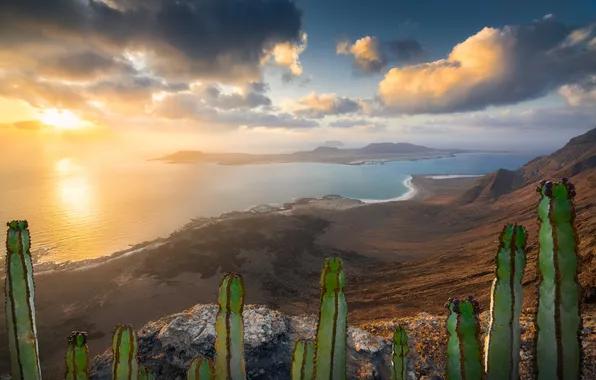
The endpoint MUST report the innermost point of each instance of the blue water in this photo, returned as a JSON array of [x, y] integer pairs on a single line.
[[80, 210]]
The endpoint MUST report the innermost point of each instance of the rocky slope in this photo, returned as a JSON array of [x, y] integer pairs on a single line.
[[168, 345]]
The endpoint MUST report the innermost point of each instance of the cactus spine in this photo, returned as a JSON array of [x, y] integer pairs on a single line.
[[200, 369], [330, 358], [77, 357], [399, 354], [464, 357], [145, 374], [20, 307], [125, 364], [303, 360], [229, 345], [503, 340], [558, 324]]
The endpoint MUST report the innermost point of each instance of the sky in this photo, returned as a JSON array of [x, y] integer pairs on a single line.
[[280, 75]]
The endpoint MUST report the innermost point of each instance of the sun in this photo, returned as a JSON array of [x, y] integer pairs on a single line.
[[61, 119]]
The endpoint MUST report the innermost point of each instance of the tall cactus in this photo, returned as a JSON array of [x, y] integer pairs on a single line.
[[303, 360], [200, 369], [558, 323], [330, 358], [229, 345], [399, 354], [125, 365], [77, 357], [20, 307], [464, 356], [503, 340], [146, 374]]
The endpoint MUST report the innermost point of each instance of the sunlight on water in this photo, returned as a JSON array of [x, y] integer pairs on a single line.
[[81, 209]]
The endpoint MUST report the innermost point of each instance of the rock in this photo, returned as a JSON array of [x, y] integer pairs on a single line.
[[167, 346]]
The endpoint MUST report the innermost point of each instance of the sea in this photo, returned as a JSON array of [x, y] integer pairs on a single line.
[[79, 210]]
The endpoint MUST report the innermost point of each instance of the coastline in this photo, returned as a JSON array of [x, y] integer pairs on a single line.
[[418, 187]]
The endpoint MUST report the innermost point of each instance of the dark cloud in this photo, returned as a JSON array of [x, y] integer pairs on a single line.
[[494, 67], [372, 55], [226, 39]]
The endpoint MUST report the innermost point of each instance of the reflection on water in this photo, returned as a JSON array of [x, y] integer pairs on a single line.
[[75, 195]]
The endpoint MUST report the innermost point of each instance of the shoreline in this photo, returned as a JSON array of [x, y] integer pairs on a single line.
[[416, 190]]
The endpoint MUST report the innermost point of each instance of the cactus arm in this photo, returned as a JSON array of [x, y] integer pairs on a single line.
[[125, 362], [20, 306], [399, 357], [558, 323], [77, 357], [229, 345], [464, 356], [503, 341], [330, 359], [145, 374], [303, 360], [454, 364], [200, 369]]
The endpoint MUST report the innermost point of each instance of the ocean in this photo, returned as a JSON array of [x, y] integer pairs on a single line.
[[79, 210]]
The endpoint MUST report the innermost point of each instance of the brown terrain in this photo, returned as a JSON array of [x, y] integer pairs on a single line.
[[401, 258]]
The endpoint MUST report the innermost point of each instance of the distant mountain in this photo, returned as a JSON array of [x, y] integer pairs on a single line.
[[372, 153], [576, 157]]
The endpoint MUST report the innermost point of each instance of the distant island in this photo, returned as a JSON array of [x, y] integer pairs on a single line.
[[375, 153]]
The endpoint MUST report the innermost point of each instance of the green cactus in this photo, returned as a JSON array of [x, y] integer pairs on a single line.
[[464, 356], [399, 354], [503, 340], [558, 322], [77, 357], [229, 345], [330, 357], [125, 365], [303, 360], [200, 369], [146, 374], [20, 306]]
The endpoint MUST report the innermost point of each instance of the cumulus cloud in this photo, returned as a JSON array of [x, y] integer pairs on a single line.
[[493, 67], [581, 94], [320, 105], [223, 39], [371, 55], [287, 55]]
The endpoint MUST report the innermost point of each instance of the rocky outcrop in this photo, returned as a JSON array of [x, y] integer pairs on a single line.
[[168, 345]]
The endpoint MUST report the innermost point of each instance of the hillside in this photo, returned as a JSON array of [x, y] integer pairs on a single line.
[[576, 157]]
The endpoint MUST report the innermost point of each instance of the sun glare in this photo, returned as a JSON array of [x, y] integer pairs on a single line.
[[61, 119]]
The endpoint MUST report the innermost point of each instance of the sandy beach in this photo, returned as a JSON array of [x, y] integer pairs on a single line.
[[279, 249]]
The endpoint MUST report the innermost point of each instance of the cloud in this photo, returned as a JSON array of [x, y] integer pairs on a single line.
[[194, 106], [372, 55], [29, 125], [250, 96], [223, 39], [351, 123], [493, 67], [581, 94], [320, 105], [287, 55]]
